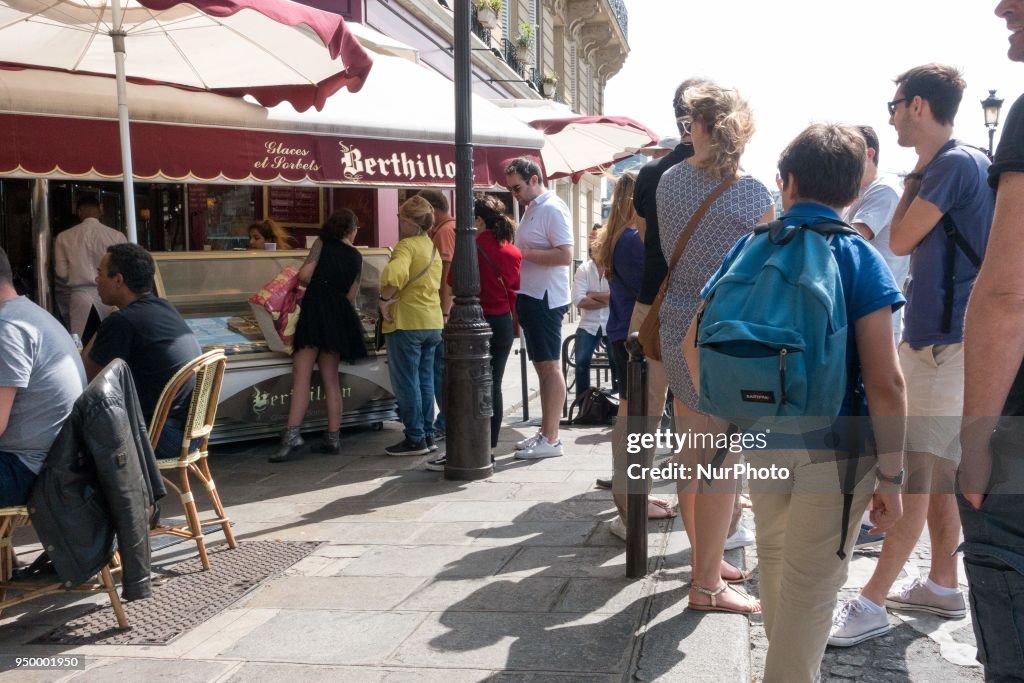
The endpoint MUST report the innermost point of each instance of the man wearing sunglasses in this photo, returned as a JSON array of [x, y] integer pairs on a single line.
[[545, 239], [942, 221]]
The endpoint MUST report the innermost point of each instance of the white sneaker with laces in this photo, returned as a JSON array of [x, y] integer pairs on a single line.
[[916, 596], [541, 449], [742, 538], [854, 623], [528, 442]]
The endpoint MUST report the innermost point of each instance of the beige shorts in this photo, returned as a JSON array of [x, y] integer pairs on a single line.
[[935, 398]]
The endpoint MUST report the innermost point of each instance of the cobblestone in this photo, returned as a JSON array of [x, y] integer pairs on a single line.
[[904, 654]]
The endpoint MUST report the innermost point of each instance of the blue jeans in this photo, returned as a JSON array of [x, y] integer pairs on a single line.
[[586, 344], [440, 424], [16, 480], [169, 445], [411, 366]]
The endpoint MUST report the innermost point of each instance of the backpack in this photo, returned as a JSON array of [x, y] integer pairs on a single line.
[[594, 407], [772, 334]]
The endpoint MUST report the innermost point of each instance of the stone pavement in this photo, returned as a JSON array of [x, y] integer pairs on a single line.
[[512, 578], [418, 578]]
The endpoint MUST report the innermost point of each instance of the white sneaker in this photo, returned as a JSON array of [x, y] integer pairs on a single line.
[[853, 623], [528, 442], [617, 528], [742, 538], [541, 449]]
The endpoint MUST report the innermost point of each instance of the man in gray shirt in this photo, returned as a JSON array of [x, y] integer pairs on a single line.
[[41, 376]]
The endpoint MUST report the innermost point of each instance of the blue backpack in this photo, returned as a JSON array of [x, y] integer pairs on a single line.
[[772, 335]]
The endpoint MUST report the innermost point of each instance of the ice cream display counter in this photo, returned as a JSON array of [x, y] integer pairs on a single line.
[[211, 291]]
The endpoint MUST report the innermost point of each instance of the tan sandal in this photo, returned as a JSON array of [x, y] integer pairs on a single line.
[[751, 607], [745, 575]]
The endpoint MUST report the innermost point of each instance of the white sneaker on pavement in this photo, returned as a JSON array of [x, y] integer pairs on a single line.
[[528, 442], [916, 596], [742, 538], [617, 528], [854, 622], [541, 449]]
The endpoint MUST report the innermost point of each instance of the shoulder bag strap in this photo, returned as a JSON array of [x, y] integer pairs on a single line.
[[433, 255], [954, 240], [501, 280], [692, 226]]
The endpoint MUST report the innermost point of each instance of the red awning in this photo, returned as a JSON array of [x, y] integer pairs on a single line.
[[61, 125], [84, 148]]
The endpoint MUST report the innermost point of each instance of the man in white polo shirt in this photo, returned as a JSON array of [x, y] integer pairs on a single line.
[[545, 239]]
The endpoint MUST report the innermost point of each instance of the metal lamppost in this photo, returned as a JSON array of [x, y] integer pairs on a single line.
[[468, 386], [991, 106]]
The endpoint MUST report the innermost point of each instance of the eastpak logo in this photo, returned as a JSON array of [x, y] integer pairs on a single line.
[[757, 396]]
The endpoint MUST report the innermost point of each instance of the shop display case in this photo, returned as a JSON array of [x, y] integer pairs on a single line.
[[211, 290]]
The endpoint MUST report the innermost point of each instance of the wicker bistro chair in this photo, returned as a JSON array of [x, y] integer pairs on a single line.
[[29, 589], [208, 370]]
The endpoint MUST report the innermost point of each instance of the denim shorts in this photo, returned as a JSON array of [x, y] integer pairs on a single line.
[[542, 327]]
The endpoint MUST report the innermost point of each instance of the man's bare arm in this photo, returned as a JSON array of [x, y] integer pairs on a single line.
[[913, 219], [993, 333], [6, 403]]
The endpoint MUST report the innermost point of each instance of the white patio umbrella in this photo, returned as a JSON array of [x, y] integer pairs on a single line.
[[576, 144], [273, 50]]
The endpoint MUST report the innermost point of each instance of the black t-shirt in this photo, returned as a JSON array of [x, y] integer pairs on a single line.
[[1010, 157], [646, 205], [156, 342]]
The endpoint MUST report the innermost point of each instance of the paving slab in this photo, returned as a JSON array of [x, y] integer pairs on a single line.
[[350, 593], [598, 644], [327, 637], [153, 671], [431, 560], [535, 594], [535, 533]]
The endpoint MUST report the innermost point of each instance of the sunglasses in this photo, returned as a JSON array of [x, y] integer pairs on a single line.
[[514, 189], [685, 124], [891, 106]]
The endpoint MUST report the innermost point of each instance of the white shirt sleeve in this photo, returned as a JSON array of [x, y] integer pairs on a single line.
[[580, 284]]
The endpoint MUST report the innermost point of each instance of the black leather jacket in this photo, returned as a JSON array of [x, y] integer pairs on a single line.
[[99, 480]]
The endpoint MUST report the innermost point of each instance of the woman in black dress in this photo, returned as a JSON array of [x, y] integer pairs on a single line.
[[328, 330]]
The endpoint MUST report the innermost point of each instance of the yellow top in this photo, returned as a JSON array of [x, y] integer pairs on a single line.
[[419, 304]]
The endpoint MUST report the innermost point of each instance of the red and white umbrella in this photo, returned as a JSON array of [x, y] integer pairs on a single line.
[[273, 50], [575, 145]]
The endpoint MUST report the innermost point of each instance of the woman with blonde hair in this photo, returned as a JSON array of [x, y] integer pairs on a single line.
[[410, 304], [268, 232], [619, 250], [720, 123]]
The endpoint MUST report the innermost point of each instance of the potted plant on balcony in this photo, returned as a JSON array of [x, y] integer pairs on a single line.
[[548, 84], [487, 12], [524, 43]]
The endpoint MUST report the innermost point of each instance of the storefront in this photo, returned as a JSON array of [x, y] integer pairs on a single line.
[[206, 166]]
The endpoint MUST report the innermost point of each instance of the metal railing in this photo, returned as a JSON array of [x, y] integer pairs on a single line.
[[482, 33]]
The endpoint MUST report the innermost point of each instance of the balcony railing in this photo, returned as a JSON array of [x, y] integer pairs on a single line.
[[482, 33], [621, 15]]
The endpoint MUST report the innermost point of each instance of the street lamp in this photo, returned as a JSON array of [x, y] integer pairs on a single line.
[[991, 106]]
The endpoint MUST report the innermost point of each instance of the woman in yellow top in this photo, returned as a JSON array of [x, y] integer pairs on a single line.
[[411, 307]]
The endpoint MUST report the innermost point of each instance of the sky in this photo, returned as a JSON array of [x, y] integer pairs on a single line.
[[801, 61]]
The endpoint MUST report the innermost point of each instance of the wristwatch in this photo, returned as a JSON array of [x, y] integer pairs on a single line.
[[897, 480]]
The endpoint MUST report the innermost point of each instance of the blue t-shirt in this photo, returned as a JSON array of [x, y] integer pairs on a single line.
[[956, 181], [868, 284], [628, 266]]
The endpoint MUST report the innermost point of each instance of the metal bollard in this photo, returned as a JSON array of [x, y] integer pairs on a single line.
[[636, 489]]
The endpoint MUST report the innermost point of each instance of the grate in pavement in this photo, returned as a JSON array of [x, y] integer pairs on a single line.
[[189, 597]]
